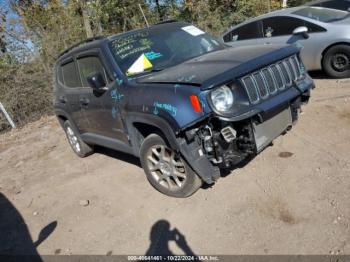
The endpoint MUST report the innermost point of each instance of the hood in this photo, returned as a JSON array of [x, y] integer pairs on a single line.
[[220, 66]]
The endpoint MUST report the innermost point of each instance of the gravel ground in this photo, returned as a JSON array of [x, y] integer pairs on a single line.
[[294, 198]]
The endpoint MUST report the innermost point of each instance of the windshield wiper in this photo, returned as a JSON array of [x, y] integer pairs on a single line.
[[151, 70]]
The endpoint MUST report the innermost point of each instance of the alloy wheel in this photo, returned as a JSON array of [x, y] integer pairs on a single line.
[[166, 167]]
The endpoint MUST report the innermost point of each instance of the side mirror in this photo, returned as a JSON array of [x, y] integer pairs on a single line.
[[302, 30], [96, 81]]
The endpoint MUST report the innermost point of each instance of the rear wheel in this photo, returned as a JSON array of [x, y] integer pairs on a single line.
[[77, 144], [166, 170], [336, 62]]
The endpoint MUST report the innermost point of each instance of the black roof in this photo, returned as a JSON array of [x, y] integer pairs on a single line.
[[88, 40]]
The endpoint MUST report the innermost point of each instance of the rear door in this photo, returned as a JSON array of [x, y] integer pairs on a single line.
[[279, 29], [247, 34], [71, 85]]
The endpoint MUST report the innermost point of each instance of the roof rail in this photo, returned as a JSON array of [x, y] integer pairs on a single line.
[[167, 22], [80, 43]]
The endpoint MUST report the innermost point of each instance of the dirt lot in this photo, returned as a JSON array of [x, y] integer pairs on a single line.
[[294, 198]]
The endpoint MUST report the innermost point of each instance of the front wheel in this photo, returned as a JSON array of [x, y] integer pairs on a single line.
[[166, 170], [336, 62]]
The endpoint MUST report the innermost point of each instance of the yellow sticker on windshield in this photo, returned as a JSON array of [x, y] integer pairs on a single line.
[[140, 65]]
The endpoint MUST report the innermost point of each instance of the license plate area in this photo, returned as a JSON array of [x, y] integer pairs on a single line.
[[266, 132]]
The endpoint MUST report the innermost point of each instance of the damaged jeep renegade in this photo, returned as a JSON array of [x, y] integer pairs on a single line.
[[183, 103]]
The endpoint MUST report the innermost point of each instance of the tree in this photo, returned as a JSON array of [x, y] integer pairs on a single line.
[[292, 3], [2, 31]]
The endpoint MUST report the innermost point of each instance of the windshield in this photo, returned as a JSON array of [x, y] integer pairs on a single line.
[[157, 48], [322, 14]]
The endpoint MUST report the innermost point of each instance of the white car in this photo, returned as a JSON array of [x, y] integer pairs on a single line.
[[323, 34]]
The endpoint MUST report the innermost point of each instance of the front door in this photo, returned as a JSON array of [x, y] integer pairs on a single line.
[[279, 30], [245, 35], [100, 109]]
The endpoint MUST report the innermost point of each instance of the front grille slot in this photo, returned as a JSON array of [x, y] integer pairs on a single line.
[[267, 81], [278, 76], [291, 69], [251, 90], [296, 65], [271, 82], [260, 84], [286, 75]]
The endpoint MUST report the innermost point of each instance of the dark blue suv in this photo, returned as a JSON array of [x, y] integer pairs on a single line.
[[172, 95]]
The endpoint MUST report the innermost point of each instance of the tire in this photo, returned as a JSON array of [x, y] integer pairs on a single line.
[[336, 61], [79, 147], [167, 171]]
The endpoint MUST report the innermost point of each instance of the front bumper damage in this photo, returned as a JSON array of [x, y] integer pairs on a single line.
[[224, 142]]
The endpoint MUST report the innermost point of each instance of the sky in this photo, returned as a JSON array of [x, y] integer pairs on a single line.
[[4, 4]]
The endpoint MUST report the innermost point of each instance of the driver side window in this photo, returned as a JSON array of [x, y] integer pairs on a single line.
[[245, 32], [280, 26], [90, 65]]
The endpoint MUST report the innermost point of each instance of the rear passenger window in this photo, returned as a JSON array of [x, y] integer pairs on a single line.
[[90, 65], [70, 75]]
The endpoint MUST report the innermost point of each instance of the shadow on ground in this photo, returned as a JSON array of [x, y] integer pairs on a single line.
[[14, 235], [161, 235], [319, 75], [118, 155]]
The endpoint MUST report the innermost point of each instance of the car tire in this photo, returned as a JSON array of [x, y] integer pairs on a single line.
[[77, 144], [336, 61], [166, 170]]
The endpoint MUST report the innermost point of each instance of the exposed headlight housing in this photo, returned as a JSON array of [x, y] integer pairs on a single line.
[[222, 98]]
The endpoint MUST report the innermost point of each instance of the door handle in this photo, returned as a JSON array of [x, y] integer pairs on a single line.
[[62, 99], [84, 101]]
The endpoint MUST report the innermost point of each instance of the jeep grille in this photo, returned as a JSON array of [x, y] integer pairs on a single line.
[[269, 80]]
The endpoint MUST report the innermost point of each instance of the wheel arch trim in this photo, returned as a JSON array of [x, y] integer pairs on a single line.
[[61, 115], [199, 162]]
